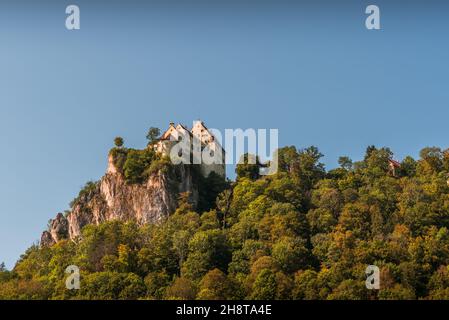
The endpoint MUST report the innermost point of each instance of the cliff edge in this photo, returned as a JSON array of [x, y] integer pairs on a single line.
[[114, 198]]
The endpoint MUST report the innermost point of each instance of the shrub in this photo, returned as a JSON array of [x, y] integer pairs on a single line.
[[136, 163], [158, 165], [86, 193], [119, 156]]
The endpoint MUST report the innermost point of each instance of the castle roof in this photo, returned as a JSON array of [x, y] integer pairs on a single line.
[[167, 134]]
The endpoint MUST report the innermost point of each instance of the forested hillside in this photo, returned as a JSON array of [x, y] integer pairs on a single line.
[[304, 233]]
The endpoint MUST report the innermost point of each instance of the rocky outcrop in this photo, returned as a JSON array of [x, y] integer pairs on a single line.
[[115, 199], [59, 228], [47, 239]]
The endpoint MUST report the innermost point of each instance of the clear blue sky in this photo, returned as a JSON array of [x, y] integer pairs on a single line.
[[310, 69]]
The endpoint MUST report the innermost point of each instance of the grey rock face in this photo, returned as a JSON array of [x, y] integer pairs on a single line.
[[59, 228], [47, 239], [115, 199]]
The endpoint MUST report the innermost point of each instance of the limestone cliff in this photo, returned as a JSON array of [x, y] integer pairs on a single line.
[[114, 198]]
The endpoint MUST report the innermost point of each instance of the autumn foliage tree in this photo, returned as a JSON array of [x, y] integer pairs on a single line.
[[302, 233]]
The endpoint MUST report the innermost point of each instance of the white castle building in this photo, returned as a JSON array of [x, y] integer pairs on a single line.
[[203, 147]]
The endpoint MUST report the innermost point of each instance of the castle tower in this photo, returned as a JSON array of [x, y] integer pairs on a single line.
[[199, 136], [216, 151]]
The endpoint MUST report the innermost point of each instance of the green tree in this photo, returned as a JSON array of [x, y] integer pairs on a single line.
[[183, 289], [291, 254], [215, 285], [349, 290], [248, 167], [209, 189], [153, 134], [118, 142], [345, 163], [157, 283], [136, 163], [265, 286], [306, 285], [207, 250]]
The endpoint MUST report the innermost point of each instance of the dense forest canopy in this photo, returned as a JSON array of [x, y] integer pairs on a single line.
[[303, 233]]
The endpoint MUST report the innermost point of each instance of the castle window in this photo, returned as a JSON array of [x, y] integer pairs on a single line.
[[211, 153], [180, 153]]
